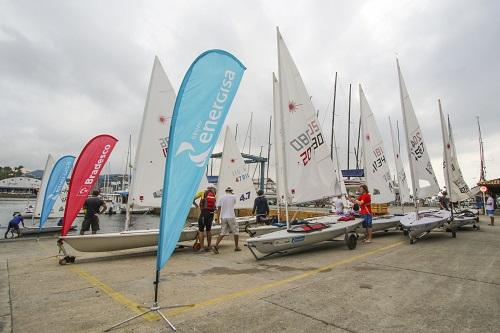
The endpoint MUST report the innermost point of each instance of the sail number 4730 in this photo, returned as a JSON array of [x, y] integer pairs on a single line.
[[308, 141]]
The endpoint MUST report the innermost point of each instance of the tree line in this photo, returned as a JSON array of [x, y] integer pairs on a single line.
[[7, 171]]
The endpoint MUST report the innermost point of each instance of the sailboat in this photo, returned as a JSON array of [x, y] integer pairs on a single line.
[[57, 211], [304, 165], [457, 188], [424, 182], [376, 169], [233, 173], [148, 172], [404, 191]]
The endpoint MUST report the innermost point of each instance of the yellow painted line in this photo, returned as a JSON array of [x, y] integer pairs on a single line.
[[115, 295], [250, 291]]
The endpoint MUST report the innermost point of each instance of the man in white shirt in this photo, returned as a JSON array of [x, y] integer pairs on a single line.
[[227, 217], [490, 208]]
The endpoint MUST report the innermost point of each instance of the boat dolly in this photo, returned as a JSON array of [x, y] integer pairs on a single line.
[[66, 259]]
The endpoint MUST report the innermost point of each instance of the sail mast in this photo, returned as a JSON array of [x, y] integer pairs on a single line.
[[446, 147], [482, 175], [405, 122], [333, 115], [269, 146], [282, 125], [349, 127]]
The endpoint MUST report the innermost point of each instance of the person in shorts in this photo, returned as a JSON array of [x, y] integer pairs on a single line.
[[490, 208], [207, 209], [364, 201], [93, 206], [227, 218], [14, 223]]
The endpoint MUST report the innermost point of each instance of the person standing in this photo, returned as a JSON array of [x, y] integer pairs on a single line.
[[93, 206], [227, 219], [14, 224], [260, 207], [490, 208], [339, 205], [364, 201], [443, 201], [206, 218]]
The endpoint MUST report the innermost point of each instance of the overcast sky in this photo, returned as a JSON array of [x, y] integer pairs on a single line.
[[72, 69]]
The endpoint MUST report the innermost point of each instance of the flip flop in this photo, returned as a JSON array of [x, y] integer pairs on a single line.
[[237, 249]]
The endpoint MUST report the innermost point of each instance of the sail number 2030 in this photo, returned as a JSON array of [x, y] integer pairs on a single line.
[[308, 141]]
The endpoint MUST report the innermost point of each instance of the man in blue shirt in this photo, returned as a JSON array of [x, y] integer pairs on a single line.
[[14, 223]]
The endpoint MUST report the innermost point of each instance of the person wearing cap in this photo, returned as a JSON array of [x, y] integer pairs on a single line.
[[206, 218], [92, 206], [227, 218]]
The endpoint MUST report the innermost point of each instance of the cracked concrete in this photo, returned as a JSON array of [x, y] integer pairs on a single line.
[[440, 284]]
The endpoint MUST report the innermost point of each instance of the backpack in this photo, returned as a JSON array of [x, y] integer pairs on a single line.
[[208, 201]]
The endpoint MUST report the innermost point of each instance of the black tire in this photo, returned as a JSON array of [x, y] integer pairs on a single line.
[[405, 232], [72, 259], [412, 241], [351, 241], [453, 234], [62, 261]]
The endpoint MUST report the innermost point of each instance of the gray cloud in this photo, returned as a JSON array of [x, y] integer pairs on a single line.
[[71, 70]]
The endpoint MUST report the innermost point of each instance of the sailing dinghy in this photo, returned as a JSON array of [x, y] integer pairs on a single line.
[[148, 172], [457, 188], [305, 168], [377, 174], [424, 182]]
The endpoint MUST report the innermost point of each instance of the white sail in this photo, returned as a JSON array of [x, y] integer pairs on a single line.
[[203, 183], [455, 184], [307, 163], [49, 165], [233, 173], [152, 148], [377, 174], [404, 190], [278, 143], [465, 192], [424, 182]]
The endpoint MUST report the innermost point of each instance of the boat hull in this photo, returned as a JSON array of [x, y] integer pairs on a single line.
[[125, 240], [26, 231], [428, 220], [383, 223], [284, 240]]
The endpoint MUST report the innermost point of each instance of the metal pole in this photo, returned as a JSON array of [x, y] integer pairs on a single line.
[[269, 146], [349, 127], [333, 115], [357, 149]]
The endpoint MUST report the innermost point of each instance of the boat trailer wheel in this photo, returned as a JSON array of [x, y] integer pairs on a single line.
[[454, 234], [67, 260], [351, 241], [405, 232]]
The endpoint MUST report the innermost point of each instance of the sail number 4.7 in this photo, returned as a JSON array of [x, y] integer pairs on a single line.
[[307, 142]]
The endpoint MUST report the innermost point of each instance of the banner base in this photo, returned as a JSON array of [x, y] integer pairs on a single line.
[[153, 308]]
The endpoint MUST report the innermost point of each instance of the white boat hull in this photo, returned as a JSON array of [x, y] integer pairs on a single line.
[[382, 223], [126, 240], [428, 220], [45, 230], [284, 240]]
